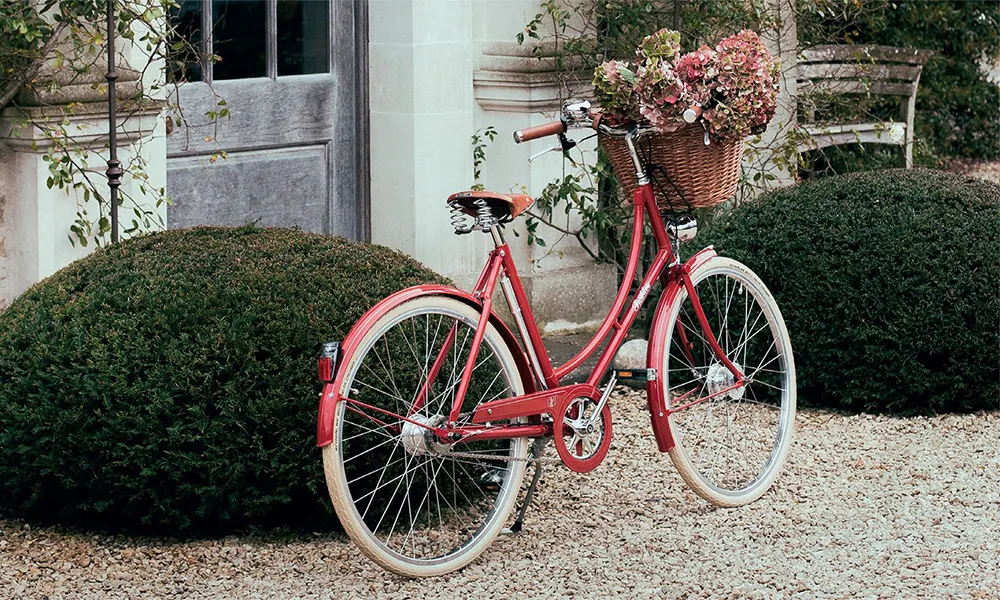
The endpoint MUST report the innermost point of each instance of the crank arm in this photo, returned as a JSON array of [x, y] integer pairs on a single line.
[[605, 395]]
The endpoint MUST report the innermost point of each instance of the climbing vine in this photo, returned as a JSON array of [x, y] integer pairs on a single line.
[[51, 46]]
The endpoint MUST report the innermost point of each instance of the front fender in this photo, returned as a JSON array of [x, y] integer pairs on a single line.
[[330, 395], [655, 388]]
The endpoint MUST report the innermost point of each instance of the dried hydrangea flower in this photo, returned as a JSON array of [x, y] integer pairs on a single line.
[[744, 91], [736, 83], [614, 90], [662, 46]]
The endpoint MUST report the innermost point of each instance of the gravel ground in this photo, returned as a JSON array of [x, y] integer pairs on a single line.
[[867, 507], [988, 170]]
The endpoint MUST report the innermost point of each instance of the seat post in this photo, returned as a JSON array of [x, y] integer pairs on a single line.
[[497, 236], [511, 296]]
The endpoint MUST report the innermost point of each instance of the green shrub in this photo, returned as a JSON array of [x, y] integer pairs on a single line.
[[169, 383], [889, 282]]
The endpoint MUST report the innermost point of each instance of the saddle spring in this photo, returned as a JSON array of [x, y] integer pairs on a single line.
[[463, 223]]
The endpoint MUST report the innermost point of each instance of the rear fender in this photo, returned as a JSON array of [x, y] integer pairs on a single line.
[[330, 395], [656, 387]]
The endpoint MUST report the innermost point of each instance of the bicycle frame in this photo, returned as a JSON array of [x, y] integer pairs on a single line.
[[501, 267], [551, 396]]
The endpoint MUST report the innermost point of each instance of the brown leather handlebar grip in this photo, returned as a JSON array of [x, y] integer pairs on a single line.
[[540, 131]]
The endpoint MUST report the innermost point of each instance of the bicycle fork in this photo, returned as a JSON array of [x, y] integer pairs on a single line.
[[684, 278]]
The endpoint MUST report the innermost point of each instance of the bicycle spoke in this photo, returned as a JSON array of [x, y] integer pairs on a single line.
[[381, 485], [379, 431], [427, 494], [399, 511], [370, 449], [378, 390], [378, 379], [383, 469], [730, 439], [413, 498]]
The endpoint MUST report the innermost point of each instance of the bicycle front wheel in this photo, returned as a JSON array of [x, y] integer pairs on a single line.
[[729, 448], [414, 505]]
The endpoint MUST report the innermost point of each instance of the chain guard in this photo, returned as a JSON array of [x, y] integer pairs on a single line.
[[584, 450]]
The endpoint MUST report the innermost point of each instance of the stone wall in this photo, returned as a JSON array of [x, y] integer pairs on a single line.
[[439, 71], [35, 219]]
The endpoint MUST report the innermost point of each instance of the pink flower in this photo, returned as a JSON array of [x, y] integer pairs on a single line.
[[659, 90], [662, 46], [745, 91], [735, 83]]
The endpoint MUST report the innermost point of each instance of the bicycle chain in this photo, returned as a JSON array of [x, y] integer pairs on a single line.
[[526, 459], [538, 452]]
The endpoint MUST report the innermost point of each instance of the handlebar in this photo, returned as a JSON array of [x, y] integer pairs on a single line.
[[691, 115], [579, 115], [539, 131]]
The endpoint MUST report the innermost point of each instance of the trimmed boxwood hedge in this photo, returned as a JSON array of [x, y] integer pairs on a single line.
[[889, 282], [168, 384]]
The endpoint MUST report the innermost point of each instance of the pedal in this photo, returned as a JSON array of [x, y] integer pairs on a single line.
[[630, 364], [635, 378], [630, 375]]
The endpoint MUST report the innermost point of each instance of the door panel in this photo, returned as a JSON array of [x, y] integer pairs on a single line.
[[278, 187], [264, 112], [296, 145]]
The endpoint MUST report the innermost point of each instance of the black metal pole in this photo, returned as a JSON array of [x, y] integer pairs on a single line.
[[677, 15], [114, 171]]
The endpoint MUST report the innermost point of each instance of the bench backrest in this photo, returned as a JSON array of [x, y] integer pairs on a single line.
[[875, 70], [882, 70]]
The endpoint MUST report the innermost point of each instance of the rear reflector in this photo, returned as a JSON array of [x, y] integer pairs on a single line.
[[328, 361]]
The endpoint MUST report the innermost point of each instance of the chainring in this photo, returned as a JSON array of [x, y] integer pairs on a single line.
[[582, 446]]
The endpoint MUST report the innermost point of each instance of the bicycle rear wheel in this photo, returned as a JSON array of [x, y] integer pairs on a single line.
[[730, 448], [414, 505]]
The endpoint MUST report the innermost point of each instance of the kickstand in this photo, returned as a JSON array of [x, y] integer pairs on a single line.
[[537, 449]]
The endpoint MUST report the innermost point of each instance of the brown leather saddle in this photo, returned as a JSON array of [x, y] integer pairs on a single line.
[[503, 207]]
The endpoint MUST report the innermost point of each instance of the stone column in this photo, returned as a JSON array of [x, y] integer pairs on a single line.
[[35, 219], [514, 89], [440, 71], [420, 64]]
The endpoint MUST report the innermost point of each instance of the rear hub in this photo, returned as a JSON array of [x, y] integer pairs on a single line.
[[420, 439]]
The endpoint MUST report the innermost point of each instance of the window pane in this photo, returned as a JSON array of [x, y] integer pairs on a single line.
[[303, 37], [184, 64], [240, 34]]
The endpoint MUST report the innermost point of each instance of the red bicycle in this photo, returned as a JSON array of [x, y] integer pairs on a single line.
[[432, 409]]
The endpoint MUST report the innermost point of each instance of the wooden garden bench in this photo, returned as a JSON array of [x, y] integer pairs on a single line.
[[865, 70]]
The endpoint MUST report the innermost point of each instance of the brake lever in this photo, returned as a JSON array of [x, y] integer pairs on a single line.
[[546, 151], [565, 145]]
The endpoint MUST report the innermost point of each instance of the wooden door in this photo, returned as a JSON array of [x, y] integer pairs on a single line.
[[293, 80]]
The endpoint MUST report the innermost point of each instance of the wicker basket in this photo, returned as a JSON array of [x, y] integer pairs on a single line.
[[705, 175]]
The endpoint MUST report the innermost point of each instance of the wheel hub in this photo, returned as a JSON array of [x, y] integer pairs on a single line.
[[420, 440], [720, 378], [583, 430]]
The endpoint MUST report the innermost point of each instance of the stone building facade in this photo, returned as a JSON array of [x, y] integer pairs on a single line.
[[347, 117]]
